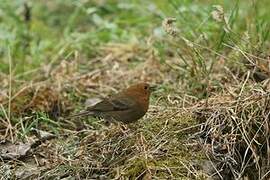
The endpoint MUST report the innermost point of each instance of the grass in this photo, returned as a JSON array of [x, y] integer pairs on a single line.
[[209, 63]]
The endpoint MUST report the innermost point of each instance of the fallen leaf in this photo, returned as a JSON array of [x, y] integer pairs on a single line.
[[14, 151]]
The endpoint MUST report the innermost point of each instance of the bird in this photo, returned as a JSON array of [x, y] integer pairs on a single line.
[[127, 106]]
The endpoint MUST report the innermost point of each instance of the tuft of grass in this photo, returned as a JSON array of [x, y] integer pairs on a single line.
[[237, 132]]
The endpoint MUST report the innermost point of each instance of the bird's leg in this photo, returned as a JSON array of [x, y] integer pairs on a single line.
[[124, 128]]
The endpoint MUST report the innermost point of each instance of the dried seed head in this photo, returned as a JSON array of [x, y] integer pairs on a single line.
[[218, 13], [169, 27]]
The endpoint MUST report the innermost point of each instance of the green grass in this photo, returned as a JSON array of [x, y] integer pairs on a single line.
[[67, 51], [60, 28]]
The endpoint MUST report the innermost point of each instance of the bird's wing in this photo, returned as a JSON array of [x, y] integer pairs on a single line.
[[121, 104], [113, 104]]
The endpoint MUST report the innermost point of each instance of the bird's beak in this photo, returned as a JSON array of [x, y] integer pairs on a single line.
[[153, 88]]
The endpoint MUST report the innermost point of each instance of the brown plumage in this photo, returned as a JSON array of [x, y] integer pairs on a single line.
[[127, 106]]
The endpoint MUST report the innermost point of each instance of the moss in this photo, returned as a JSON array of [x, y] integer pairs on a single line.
[[136, 169]]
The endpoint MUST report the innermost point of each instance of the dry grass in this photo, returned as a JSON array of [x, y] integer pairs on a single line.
[[209, 118], [230, 129], [155, 147], [235, 133]]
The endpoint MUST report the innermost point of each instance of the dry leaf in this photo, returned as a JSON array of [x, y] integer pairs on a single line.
[[14, 151]]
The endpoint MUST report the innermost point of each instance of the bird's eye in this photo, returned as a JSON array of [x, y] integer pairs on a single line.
[[145, 87]]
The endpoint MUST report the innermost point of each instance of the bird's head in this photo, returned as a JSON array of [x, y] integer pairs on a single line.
[[141, 93], [140, 90]]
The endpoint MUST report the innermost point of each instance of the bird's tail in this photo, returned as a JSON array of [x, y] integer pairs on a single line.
[[83, 113]]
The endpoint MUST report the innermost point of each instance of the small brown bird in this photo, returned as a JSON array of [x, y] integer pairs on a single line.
[[127, 106]]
